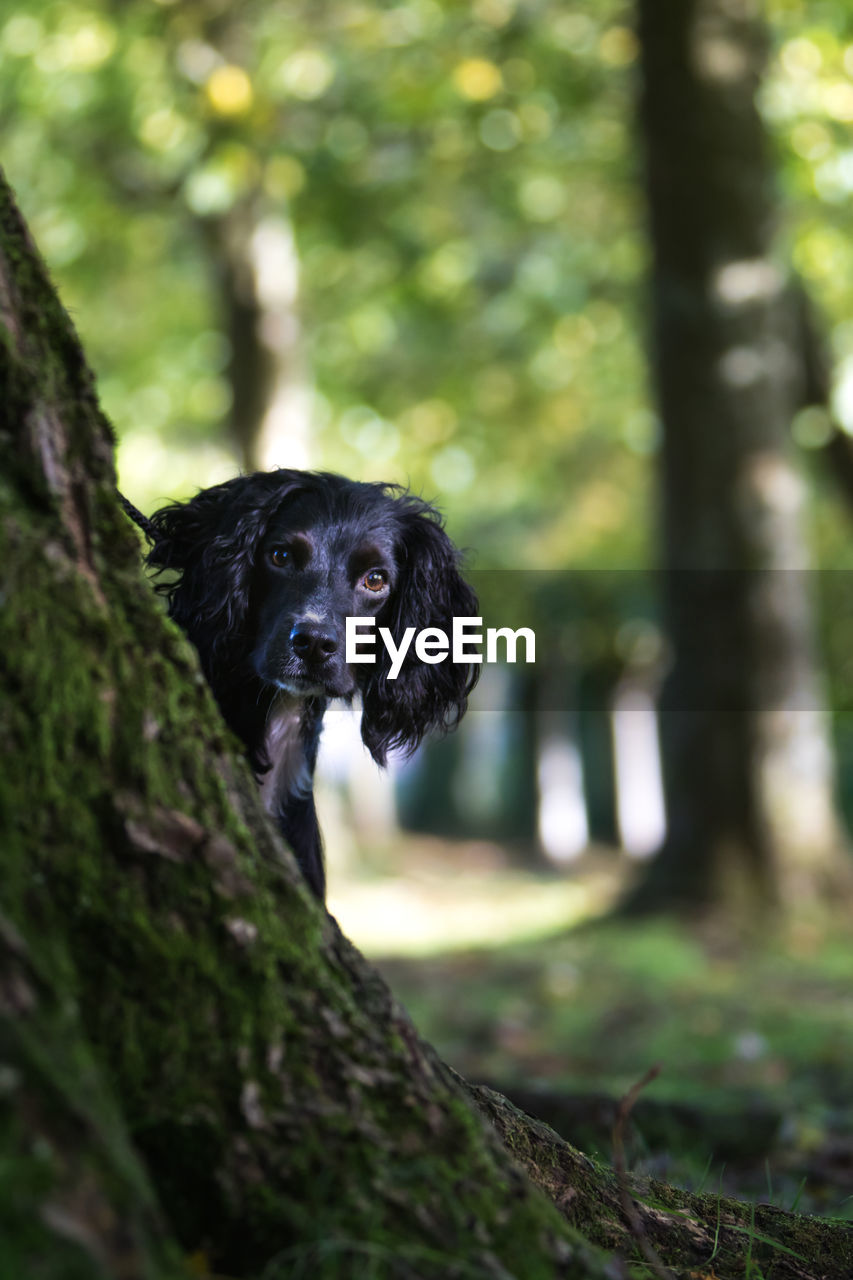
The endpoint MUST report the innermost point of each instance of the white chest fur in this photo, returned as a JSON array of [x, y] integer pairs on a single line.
[[289, 773]]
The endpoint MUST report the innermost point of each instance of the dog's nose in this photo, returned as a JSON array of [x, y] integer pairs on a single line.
[[313, 642]]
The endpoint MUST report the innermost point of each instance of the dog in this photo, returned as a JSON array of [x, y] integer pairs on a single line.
[[264, 570]]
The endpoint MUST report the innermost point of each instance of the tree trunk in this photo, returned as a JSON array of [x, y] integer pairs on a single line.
[[192, 1057], [747, 762], [257, 273]]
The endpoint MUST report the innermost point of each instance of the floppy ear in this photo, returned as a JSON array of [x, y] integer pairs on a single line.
[[429, 592], [211, 542]]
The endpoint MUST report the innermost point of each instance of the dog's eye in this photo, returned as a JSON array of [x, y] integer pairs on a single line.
[[280, 556], [375, 580]]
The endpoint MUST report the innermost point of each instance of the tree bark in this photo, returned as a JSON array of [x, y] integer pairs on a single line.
[[192, 1057], [692, 1235], [747, 762]]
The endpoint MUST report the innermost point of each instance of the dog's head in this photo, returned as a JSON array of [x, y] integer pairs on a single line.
[[270, 566]]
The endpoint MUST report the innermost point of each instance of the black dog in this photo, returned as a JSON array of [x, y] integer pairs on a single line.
[[269, 567]]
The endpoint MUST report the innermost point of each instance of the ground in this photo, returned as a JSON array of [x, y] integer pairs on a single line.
[[754, 1037]]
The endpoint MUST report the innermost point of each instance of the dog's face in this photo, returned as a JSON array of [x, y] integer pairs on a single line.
[[270, 565], [317, 565]]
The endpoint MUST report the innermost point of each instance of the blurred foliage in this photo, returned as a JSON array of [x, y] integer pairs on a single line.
[[463, 185], [807, 101]]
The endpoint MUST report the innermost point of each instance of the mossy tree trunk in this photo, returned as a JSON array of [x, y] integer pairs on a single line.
[[747, 760], [193, 1060]]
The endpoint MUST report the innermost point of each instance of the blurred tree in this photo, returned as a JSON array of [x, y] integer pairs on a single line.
[[254, 262], [748, 769]]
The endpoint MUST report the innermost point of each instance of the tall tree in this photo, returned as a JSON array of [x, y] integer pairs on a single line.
[[253, 259], [748, 767]]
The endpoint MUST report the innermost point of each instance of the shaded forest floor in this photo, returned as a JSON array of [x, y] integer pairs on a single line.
[[755, 1040]]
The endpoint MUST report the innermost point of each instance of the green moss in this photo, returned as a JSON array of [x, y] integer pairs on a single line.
[[271, 1098], [75, 1202]]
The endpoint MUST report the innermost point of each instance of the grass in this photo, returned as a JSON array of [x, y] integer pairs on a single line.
[[755, 1041]]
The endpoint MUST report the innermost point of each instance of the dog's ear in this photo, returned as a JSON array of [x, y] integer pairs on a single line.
[[210, 546], [430, 591]]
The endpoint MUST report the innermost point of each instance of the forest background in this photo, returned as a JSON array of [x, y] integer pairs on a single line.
[[409, 242]]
